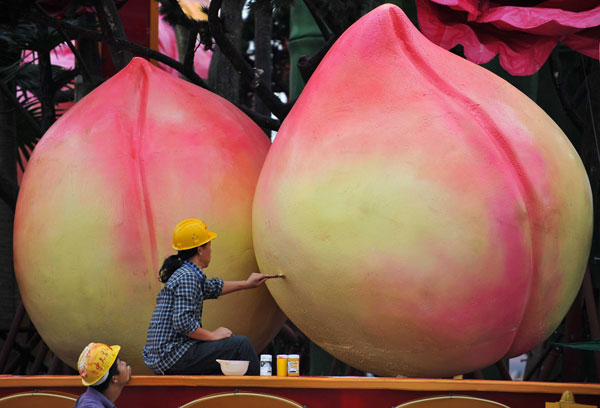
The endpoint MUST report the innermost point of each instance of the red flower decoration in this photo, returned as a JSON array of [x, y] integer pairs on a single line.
[[522, 32]]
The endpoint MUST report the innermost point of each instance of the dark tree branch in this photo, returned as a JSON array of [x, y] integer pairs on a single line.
[[90, 58], [174, 14], [193, 77], [8, 147], [223, 76], [46, 95], [325, 31], [55, 365], [263, 121], [328, 18], [148, 53], [12, 336], [307, 66], [80, 61], [39, 359], [503, 370], [580, 93], [246, 71], [21, 362], [562, 96], [65, 77], [134, 48], [113, 29], [83, 66], [190, 50], [263, 23], [592, 314]]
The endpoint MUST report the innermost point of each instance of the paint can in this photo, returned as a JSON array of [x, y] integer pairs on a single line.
[[266, 367], [293, 365], [282, 365]]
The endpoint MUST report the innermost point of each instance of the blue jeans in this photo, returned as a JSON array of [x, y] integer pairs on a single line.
[[201, 357]]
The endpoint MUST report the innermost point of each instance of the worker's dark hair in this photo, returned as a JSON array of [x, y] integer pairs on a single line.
[[174, 262], [112, 371]]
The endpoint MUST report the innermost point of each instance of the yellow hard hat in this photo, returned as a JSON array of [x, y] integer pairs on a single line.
[[94, 362], [191, 233]]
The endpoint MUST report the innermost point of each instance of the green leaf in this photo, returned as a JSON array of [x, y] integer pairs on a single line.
[[592, 345]]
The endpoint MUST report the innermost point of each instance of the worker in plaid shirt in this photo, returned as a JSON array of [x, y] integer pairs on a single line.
[[176, 342]]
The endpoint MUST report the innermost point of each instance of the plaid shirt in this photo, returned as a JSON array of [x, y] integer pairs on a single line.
[[178, 312]]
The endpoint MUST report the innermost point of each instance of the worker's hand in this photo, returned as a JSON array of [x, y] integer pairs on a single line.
[[221, 333], [256, 279]]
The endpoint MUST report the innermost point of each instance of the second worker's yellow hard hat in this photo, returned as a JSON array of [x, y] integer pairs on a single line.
[[94, 362]]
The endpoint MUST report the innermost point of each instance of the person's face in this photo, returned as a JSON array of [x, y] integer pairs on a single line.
[[205, 253], [124, 371]]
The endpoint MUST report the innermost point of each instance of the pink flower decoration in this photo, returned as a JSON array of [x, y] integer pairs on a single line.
[[522, 32]]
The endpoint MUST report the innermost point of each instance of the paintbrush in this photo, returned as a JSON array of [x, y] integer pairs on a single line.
[[279, 275]]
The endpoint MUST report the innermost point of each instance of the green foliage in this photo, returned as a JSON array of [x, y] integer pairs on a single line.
[[592, 345]]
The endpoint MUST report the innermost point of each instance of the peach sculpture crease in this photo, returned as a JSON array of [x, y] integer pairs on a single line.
[[102, 193], [430, 219]]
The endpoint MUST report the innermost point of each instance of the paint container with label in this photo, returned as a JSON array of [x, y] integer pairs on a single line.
[[282, 365], [293, 365], [266, 367]]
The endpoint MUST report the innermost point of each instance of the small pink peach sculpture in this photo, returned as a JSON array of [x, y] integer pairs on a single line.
[[102, 193], [429, 218]]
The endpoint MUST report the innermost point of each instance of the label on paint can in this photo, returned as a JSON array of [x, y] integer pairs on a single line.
[[266, 367], [293, 365]]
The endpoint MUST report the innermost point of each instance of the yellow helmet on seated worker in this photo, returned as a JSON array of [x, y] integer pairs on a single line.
[[94, 362], [191, 233]]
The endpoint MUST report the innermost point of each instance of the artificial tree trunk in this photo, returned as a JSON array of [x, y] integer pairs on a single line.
[[9, 293], [263, 21], [46, 94], [222, 76], [90, 56], [111, 24]]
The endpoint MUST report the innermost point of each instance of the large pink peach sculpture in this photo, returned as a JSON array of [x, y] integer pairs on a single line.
[[102, 193], [429, 218]]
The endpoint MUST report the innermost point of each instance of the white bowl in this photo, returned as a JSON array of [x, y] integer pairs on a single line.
[[234, 367]]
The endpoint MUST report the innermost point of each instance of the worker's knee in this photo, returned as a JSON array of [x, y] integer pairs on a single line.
[[242, 341]]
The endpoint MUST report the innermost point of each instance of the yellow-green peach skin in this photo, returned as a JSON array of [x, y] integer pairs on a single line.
[[102, 193], [430, 219]]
